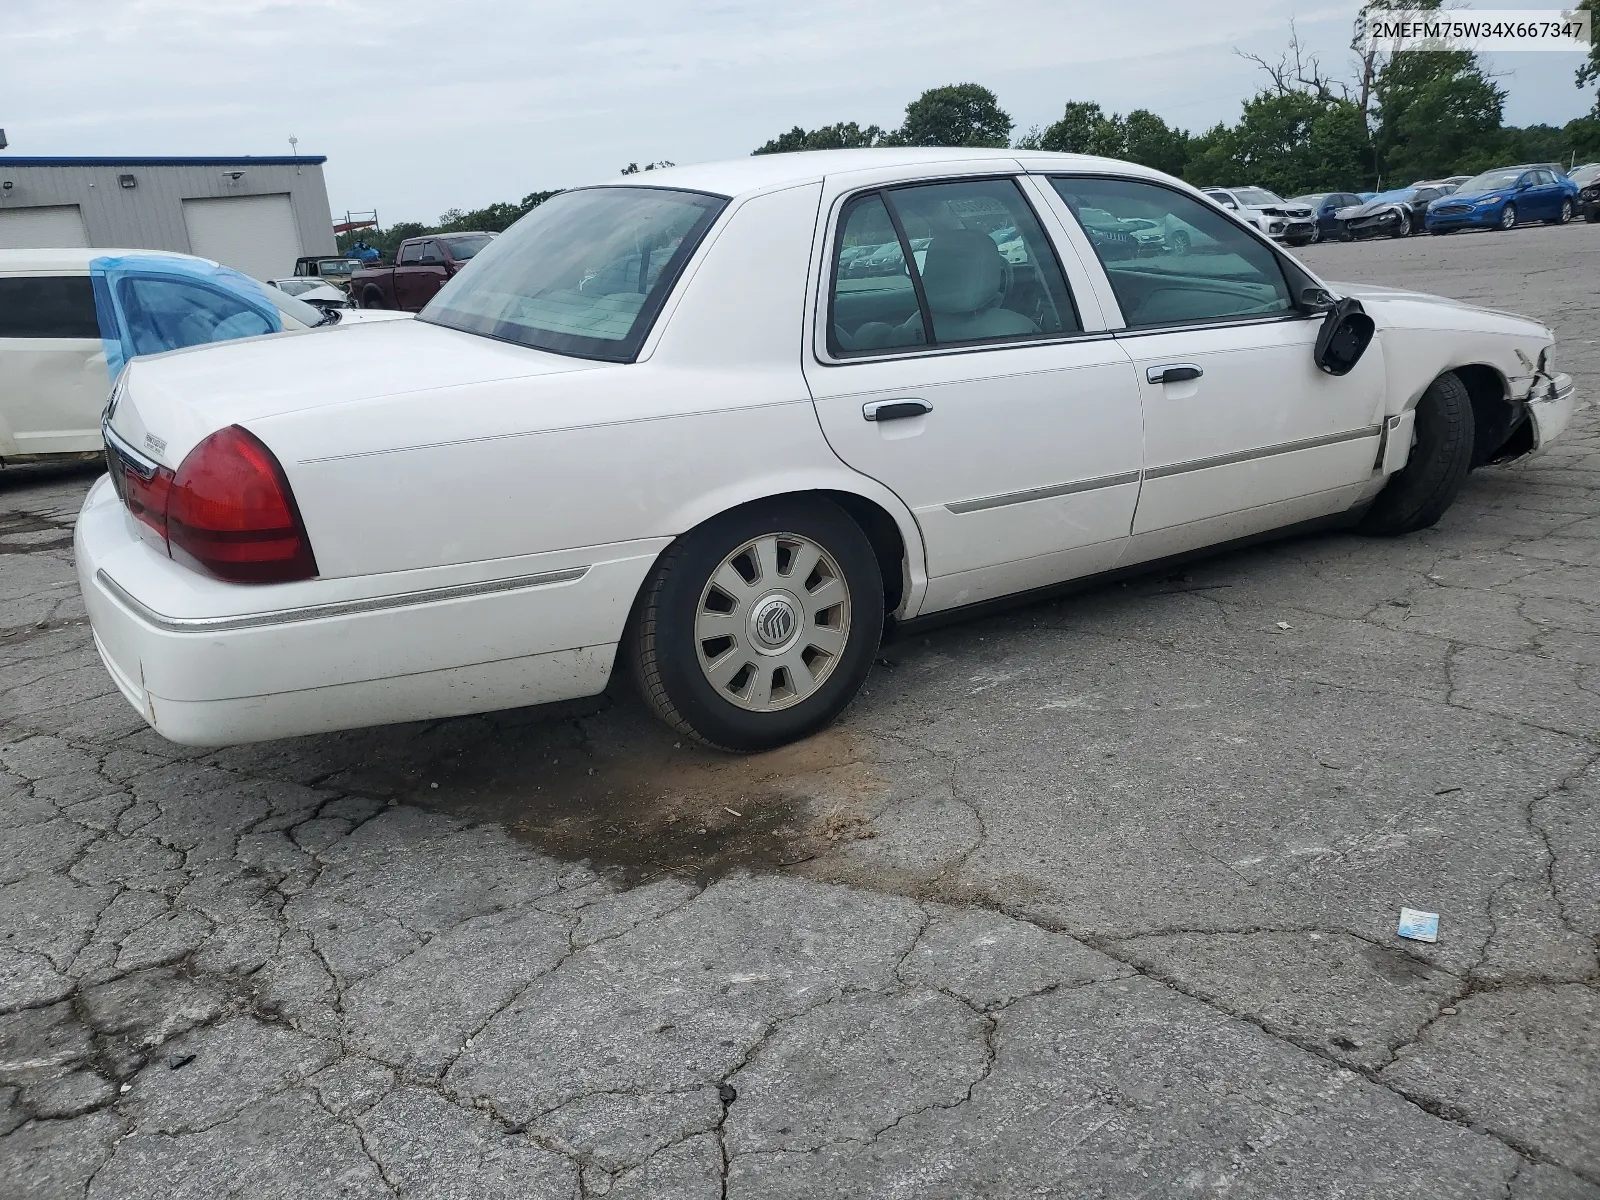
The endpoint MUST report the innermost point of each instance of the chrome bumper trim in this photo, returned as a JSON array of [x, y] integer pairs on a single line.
[[1042, 493], [1225, 460], [338, 608]]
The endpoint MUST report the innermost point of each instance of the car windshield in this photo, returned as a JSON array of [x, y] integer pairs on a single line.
[[463, 248], [1585, 175], [1489, 181], [1398, 196], [583, 274], [1254, 195], [1310, 201], [297, 287], [298, 310]]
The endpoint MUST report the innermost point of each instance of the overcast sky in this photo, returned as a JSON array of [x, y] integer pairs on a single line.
[[423, 105]]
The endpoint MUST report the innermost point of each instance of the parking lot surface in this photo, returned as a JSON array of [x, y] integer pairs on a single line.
[[1096, 898]]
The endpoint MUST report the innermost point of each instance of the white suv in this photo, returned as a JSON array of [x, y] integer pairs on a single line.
[[1273, 215]]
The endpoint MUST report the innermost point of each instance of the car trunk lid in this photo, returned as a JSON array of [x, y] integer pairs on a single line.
[[163, 405]]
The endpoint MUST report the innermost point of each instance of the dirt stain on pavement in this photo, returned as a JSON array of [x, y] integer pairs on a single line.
[[649, 804]]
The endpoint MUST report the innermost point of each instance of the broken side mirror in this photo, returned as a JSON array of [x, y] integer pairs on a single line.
[[1346, 333]]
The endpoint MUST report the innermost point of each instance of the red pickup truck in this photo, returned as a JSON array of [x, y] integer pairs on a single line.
[[420, 269]]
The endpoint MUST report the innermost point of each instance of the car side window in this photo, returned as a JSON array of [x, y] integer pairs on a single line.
[[168, 314], [980, 270], [47, 306], [1204, 268], [431, 255], [410, 255]]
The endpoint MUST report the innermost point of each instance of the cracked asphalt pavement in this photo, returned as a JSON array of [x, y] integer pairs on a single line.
[[1096, 898]]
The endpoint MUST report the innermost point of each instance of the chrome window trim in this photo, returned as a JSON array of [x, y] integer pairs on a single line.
[[1042, 493], [337, 608], [1239, 456]]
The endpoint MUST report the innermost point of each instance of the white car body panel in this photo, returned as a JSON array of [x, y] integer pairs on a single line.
[[484, 514]]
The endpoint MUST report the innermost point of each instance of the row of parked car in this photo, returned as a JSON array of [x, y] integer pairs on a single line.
[[1499, 199]]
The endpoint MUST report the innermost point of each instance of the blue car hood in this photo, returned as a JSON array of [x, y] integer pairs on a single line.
[[118, 326], [1468, 197]]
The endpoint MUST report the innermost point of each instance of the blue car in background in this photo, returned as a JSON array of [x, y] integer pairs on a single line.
[[1504, 197]]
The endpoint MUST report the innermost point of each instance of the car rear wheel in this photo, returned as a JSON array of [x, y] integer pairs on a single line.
[[372, 298], [1565, 214], [759, 627], [1441, 453], [1508, 216]]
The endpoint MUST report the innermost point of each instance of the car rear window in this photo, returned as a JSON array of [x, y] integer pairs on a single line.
[[583, 274], [47, 306]]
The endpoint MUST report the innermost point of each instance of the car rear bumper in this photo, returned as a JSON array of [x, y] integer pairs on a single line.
[[203, 672]]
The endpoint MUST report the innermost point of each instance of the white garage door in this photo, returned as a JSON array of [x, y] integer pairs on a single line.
[[41, 228], [253, 234]]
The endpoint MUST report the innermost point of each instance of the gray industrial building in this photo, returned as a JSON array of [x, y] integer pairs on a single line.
[[254, 214]]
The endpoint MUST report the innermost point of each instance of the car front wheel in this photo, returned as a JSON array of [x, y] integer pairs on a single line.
[[1508, 216], [759, 627], [1418, 494]]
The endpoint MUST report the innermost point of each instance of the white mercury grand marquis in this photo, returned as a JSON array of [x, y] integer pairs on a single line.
[[720, 424]]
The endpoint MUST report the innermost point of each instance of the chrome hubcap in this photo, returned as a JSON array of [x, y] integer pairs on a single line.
[[772, 622]]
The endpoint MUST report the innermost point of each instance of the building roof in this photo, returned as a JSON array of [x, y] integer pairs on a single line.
[[281, 160], [759, 172]]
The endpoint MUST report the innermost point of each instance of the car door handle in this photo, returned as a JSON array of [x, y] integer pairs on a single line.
[[895, 410], [1173, 373]]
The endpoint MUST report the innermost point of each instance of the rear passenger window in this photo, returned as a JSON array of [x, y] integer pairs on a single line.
[[1171, 258], [47, 306], [980, 269]]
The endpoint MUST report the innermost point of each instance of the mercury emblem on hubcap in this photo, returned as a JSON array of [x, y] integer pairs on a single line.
[[773, 622]]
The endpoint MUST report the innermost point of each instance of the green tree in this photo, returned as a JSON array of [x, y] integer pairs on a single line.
[[1211, 159], [634, 168], [1438, 112], [1590, 71], [962, 114], [1295, 141], [846, 135], [1150, 141], [1083, 128]]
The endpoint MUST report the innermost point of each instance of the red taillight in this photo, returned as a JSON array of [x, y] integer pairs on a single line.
[[227, 511]]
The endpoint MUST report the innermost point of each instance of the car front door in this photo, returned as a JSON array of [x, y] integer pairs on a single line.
[[977, 384], [1242, 431]]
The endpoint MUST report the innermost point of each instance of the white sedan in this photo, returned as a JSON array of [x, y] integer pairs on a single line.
[[655, 427]]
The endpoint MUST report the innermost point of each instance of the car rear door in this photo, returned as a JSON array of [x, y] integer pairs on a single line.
[[978, 385], [1242, 431]]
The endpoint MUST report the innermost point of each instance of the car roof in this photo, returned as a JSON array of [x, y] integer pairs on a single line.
[[73, 258], [772, 172]]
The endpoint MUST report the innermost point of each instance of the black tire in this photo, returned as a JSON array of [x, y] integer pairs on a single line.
[[1420, 492], [372, 298], [1591, 215], [1565, 216], [661, 645], [1508, 217]]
